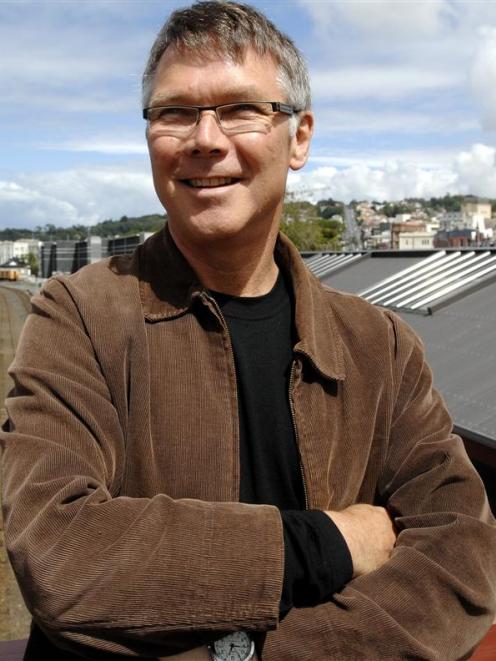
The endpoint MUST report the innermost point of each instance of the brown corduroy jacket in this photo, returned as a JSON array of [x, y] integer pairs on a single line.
[[121, 474]]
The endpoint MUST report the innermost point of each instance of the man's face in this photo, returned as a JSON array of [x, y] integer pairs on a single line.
[[254, 164]]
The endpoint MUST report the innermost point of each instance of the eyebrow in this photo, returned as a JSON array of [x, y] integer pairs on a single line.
[[247, 93]]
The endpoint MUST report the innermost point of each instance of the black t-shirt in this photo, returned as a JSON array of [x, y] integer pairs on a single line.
[[317, 559]]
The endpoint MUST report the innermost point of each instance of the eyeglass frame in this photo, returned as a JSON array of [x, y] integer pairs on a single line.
[[276, 106]]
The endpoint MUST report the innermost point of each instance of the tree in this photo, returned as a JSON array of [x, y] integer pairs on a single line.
[[299, 210], [305, 234], [328, 208], [332, 231], [303, 223], [32, 261]]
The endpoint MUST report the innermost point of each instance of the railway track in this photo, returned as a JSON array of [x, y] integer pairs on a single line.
[[14, 308]]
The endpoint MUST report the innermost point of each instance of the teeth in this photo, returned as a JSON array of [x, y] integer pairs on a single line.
[[210, 183]]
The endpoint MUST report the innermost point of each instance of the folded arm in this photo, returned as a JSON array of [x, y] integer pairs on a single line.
[[104, 572]]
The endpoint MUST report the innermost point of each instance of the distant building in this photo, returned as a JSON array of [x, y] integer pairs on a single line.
[[472, 205], [415, 241], [16, 266], [124, 245], [19, 249], [475, 216], [398, 228], [402, 217], [462, 238], [69, 256], [432, 225], [23, 247], [58, 257], [88, 251], [450, 220], [379, 237], [6, 251]]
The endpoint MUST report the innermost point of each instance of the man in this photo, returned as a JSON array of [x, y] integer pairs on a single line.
[[207, 449]]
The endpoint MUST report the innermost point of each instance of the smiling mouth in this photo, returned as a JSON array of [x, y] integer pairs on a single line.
[[212, 182]]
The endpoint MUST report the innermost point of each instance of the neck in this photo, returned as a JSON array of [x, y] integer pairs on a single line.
[[231, 266]]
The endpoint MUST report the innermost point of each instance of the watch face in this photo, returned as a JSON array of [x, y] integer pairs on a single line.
[[235, 646]]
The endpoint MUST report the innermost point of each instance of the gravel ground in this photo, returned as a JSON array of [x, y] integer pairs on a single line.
[[14, 618]]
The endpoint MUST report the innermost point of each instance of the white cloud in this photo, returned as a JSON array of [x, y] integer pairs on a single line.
[[476, 170], [483, 76], [83, 196], [382, 18], [395, 180], [473, 172], [25, 206]]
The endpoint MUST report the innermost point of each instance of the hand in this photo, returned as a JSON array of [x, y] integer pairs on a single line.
[[369, 533]]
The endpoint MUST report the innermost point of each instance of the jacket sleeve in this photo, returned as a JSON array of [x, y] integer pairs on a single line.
[[102, 572], [436, 596]]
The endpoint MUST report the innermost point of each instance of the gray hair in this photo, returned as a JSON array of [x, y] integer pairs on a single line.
[[222, 28]]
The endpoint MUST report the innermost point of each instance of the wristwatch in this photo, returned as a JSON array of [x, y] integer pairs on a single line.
[[236, 646]]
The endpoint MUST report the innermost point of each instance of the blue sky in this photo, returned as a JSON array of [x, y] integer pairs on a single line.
[[404, 96]]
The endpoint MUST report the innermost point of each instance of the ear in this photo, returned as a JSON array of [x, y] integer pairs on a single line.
[[300, 143]]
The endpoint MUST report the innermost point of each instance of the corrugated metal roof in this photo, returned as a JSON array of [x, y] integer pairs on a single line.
[[324, 263], [438, 277], [369, 270], [460, 341]]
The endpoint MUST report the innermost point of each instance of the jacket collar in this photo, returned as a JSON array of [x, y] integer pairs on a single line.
[[167, 283], [168, 287], [318, 336]]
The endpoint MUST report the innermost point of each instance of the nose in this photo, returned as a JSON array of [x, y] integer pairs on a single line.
[[207, 136]]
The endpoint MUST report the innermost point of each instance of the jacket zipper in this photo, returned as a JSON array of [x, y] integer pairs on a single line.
[[213, 302], [291, 405], [226, 328]]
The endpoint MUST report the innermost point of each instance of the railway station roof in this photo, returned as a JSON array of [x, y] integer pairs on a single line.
[[13, 263]]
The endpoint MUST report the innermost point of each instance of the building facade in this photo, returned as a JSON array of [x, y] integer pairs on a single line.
[[69, 256]]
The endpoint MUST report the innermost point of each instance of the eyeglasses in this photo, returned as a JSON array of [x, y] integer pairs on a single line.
[[241, 117]]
